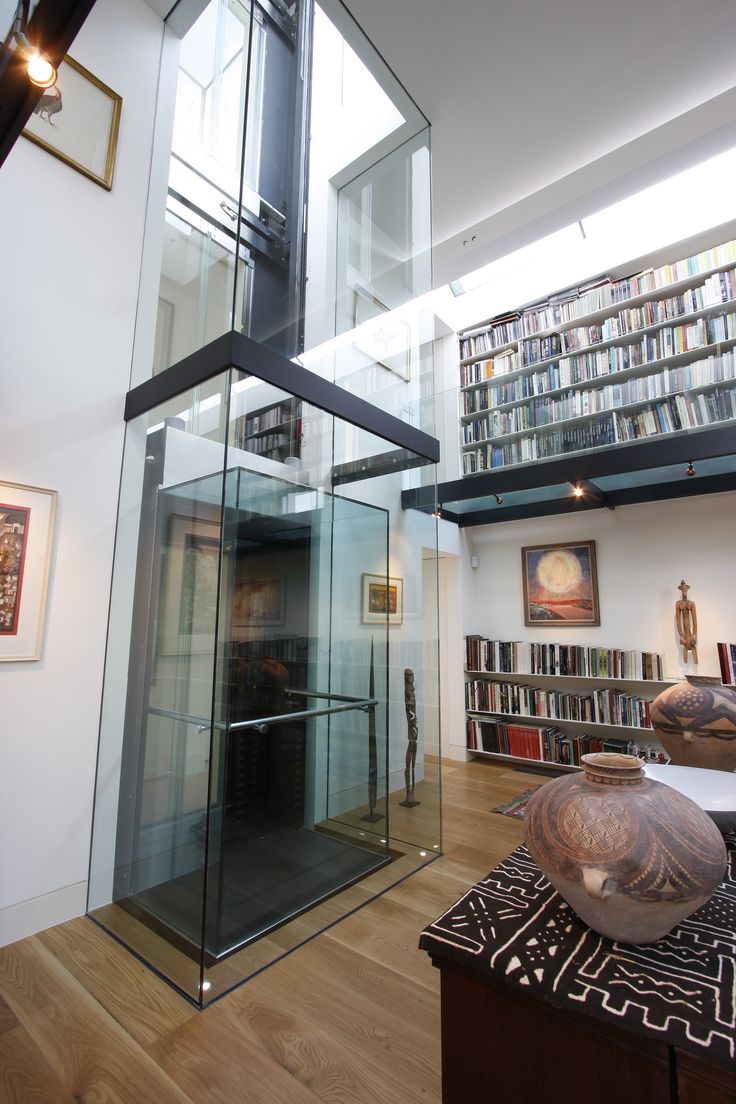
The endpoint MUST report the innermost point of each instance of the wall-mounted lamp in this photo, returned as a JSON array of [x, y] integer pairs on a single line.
[[40, 70], [475, 561], [437, 513], [689, 470]]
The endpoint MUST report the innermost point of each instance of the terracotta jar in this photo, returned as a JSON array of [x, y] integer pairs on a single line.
[[632, 856], [695, 721]]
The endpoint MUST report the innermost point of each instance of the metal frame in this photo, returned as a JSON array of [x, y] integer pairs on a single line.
[[235, 350]]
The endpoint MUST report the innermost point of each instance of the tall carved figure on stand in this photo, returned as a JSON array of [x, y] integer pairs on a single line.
[[410, 703], [686, 620]]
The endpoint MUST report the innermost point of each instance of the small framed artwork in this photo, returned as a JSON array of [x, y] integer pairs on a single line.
[[77, 120], [381, 600], [26, 539], [560, 584], [189, 598], [259, 602]]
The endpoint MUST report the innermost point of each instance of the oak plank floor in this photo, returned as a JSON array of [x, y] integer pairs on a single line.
[[352, 1017]]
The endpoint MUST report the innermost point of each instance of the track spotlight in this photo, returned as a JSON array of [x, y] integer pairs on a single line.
[[499, 500], [690, 470], [578, 491], [40, 70]]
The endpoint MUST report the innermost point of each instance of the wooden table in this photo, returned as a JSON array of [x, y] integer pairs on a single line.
[[538, 1009]]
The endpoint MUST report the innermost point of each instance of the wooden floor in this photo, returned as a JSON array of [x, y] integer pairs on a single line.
[[352, 1016]]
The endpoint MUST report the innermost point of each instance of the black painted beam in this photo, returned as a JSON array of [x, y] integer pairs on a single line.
[[628, 496], [237, 351], [52, 28], [636, 456]]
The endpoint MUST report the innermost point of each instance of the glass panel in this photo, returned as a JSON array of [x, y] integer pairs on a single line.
[[307, 222], [263, 755], [147, 875]]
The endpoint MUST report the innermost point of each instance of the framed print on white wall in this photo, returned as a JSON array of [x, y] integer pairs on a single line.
[[77, 120], [26, 539]]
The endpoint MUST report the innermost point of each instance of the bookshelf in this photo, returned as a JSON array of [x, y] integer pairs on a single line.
[[551, 703], [603, 364], [273, 431]]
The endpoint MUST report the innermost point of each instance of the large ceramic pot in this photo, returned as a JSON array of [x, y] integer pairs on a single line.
[[695, 721], [632, 856]]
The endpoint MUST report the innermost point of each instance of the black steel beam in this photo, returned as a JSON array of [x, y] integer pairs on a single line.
[[52, 28], [237, 351], [636, 456], [628, 496]]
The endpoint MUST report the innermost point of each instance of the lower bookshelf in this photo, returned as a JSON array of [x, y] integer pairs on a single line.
[[546, 740], [565, 701]]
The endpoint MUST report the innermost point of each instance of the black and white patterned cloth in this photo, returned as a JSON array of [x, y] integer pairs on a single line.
[[515, 928]]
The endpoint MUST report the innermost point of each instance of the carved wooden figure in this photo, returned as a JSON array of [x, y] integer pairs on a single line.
[[686, 620], [410, 702]]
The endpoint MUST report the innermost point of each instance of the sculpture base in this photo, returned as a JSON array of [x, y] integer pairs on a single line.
[[372, 817], [409, 804]]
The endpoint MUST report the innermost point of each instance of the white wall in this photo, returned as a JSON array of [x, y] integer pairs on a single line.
[[642, 554], [66, 354]]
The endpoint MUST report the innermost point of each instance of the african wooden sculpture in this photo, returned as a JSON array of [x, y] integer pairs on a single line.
[[410, 703], [686, 620]]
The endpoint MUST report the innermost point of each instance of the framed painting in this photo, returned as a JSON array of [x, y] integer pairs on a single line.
[[191, 560], [560, 584], [77, 120], [26, 540], [381, 600], [259, 602]]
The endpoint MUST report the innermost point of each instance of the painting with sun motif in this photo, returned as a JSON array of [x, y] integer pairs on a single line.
[[560, 584]]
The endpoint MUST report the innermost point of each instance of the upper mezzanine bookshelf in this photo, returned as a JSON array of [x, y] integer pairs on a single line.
[[603, 364]]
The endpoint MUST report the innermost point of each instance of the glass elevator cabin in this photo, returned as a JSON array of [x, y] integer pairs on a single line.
[[269, 749]]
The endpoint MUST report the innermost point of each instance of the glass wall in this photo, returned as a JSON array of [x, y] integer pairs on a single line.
[[269, 745], [298, 202]]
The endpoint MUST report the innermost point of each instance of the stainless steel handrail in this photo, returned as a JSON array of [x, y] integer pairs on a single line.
[[262, 723]]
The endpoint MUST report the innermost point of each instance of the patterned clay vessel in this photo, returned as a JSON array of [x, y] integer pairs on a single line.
[[632, 856], [695, 721]]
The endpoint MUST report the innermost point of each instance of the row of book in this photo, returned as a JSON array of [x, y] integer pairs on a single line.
[[287, 649], [576, 371], [480, 371], [526, 658], [577, 302], [678, 412], [604, 706], [727, 660], [597, 433], [686, 411], [651, 313], [577, 404], [549, 744]]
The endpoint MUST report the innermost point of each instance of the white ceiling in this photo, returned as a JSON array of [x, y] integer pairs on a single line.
[[545, 110]]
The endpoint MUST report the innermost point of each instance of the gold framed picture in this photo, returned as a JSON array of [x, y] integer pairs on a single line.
[[382, 600], [77, 120], [560, 584]]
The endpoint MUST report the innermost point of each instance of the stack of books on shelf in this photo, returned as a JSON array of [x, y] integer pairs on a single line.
[[609, 707], [540, 352], [727, 660], [524, 658], [549, 744]]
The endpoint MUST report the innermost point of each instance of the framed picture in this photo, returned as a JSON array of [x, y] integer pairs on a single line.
[[259, 602], [560, 584], [379, 599], [26, 539], [77, 120], [191, 558]]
